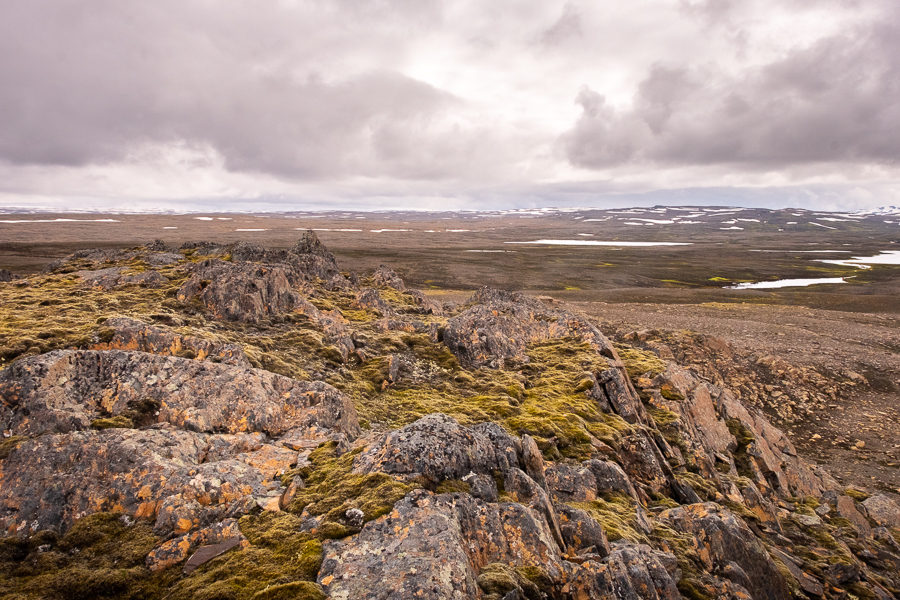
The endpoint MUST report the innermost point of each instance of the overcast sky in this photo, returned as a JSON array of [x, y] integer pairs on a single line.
[[224, 104]]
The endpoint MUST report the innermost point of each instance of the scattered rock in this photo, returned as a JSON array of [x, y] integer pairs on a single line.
[[883, 510]]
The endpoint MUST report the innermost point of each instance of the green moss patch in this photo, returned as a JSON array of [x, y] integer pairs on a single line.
[[332, 488], [102, 556], [617, 515], [640, 362]]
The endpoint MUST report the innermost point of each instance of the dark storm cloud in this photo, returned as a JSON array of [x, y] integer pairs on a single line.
[[837, 100]]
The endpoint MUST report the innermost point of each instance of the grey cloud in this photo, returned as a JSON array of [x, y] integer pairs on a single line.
[[837, 100], [568, 25], [85, 83]]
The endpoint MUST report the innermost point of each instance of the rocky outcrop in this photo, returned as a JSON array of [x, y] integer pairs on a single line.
[[370, 299], [498, 327], [720, 538], [240, 291], [448, 546], [385, 277], [160, 473], [67, 390], [123, 333], [438, 448], [213, 439], [5, 276], [583, 488]]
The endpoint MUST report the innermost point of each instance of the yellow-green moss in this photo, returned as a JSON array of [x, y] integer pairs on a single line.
[[451, 486], [670, 393], [297, 590], [856, 494], [53, 312], [101, 556], [545, 397], [332, 488], [279, 554], [117, 422], [9, 444], [617, 515], [640, 362]]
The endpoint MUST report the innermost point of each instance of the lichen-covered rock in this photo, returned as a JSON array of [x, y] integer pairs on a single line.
[[632, 572], [720, 537], [159, 473], [386, 277], [66, 390], [641, 460], [610, 478], [130, 334], [498, 326], [239, 291], [369, 298], [434, 547], [116, 277], [435, 447], [581, 532], [568, 483], [883, 510]]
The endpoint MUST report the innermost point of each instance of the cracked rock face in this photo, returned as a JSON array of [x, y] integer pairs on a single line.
[[721, 538], [131, 334], [438, 448], [443, 546], [210, 447], [159, 473], [66, 390], [240, 291]]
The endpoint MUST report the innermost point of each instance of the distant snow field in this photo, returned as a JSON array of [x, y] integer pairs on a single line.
[[251, 229], [599, 243], [60, 221], [888, 257]]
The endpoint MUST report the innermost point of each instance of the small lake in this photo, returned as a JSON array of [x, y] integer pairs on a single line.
[[781, 283]]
